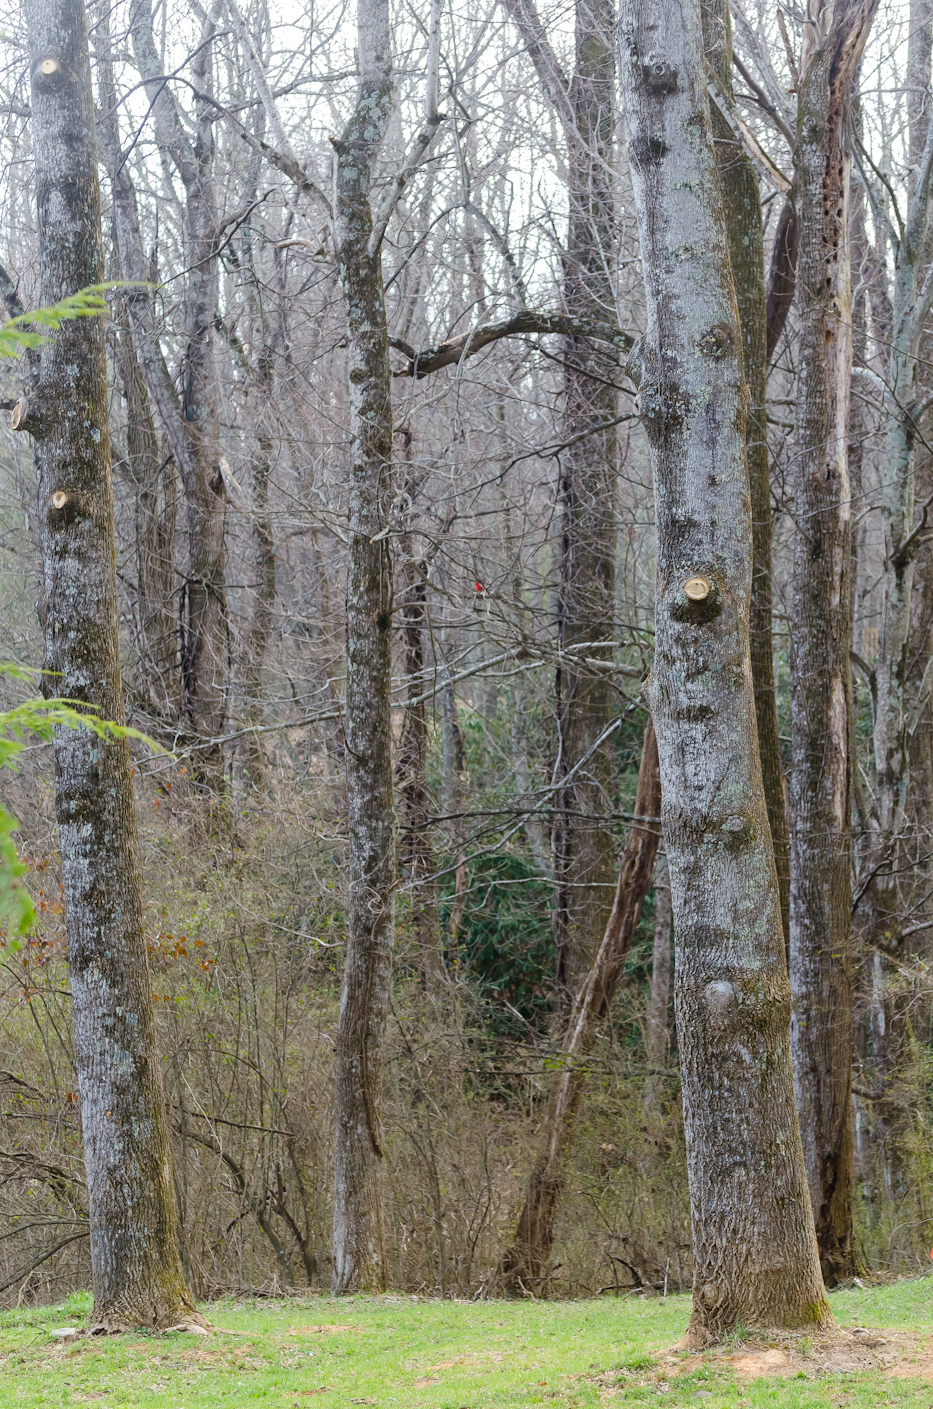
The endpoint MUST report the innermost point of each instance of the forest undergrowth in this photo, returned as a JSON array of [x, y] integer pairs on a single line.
[[245, 926]]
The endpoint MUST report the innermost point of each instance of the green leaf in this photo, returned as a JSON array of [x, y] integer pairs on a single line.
[[39, 718], [18, 333]]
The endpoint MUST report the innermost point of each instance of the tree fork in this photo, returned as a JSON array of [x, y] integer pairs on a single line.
[[137, 1271]]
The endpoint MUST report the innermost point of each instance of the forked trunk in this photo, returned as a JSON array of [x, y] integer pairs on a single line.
[[524, 1265], [138, 1279], [754, 1246]]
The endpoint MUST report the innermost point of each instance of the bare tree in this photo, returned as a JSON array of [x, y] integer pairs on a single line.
[[820, 803], [754, 1245], [138, 1278]]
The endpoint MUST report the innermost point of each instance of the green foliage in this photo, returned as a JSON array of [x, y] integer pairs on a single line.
[[506, 940], [18, 334], [37, 718]]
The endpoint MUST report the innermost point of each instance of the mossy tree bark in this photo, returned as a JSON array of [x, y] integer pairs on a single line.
[[742, 204], [358, 1253], [137, 1270], [821, 632], [754, 1244]]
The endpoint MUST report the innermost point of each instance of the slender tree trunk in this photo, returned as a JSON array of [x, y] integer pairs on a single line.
[[260, 625], [189, 418], [454, 764], [417, 851], [138, 1279], [524, 1266], [583, 846], [754, 1246], [898, 497], [358, 1253], [586, 588], [901, 676], [821, 634], [153, 483], [742, 204]]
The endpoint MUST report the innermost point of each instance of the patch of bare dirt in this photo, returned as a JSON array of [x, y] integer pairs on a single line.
[[897, 1354]]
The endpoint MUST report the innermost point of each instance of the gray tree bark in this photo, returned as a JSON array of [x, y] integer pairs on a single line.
[[821, 632], [150, 469], [137, 1270], [417, 849], [189, 419], [583, 850], [358, 1252], [754, 1245]]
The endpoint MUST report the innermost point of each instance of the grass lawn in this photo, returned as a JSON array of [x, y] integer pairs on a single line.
[[417, 1354]]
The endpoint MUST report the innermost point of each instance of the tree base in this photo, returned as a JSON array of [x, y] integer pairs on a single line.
[[126, 1320]]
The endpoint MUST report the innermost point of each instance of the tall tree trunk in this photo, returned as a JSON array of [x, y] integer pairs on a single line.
[[902, 670], [454, 765], [586, 588], [417, 851], [754, 1246], [153, 481], [583, 847], [524, 1265], [358, 1253], [138, 1279], [821, 638], [742, 204], [190, 419], [260, 625], [899, 393]]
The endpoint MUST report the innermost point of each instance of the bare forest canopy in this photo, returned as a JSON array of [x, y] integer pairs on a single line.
[[501, 485]]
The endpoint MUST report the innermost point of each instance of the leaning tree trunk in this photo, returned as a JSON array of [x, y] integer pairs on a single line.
[[359, 1259], [742, 204], [754, 1246], [821, 639], [137, 1270], [524, 1266]]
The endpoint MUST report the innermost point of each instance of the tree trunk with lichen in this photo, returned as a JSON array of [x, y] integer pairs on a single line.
[[821, 638], [524, 1266], [742, 203], [754, 1245], [137, 1271], [358, 1251]]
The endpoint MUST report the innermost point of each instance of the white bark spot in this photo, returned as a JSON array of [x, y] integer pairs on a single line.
[[719, 995]]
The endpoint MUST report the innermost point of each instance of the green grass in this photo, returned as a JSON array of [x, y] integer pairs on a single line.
[[416, 1354]]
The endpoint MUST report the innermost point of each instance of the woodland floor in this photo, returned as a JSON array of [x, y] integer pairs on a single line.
[[427, 1354]]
